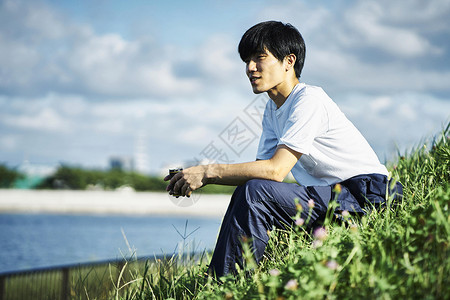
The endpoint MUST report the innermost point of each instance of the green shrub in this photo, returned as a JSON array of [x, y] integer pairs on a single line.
[[8, 176]]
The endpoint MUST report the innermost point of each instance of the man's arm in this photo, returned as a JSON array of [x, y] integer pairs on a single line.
[[275, 168]]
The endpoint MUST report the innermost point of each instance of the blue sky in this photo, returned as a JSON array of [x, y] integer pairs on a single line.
[[161, 81]]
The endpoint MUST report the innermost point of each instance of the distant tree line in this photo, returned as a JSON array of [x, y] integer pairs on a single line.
[[8, 176], [77, 178]]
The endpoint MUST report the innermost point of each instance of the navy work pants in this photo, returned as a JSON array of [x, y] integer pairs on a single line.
[[259, 205]]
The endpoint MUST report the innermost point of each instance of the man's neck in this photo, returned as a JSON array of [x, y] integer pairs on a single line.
[[280, 93]]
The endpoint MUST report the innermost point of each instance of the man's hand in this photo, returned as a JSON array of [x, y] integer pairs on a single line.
[[187, 181]]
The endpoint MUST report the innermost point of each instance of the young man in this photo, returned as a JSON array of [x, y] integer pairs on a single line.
[[305, 133]]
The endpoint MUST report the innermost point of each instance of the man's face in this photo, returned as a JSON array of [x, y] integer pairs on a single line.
[[265, 72]]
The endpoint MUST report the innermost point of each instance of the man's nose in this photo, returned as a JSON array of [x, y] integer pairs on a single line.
[[251, 66]]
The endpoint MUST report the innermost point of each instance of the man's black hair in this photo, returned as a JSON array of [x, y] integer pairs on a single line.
[[278, 38]]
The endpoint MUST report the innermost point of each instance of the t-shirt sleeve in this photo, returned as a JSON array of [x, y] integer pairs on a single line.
[[267, 142], [307, 119]]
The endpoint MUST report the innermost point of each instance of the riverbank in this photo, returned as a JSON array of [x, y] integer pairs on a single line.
[[124, 202]]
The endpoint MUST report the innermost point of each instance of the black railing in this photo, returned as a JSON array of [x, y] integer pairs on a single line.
[[78, 281]]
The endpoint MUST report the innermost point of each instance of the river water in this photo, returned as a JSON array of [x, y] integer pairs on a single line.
[[29, 241]]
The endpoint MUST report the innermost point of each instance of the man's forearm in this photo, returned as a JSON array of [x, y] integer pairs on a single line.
[[238, 174], [276, 168]]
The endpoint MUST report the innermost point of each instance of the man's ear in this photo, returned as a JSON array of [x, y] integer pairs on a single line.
[[290, 61]]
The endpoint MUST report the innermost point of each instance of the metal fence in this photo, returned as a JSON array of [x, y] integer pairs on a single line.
[[81, 281]]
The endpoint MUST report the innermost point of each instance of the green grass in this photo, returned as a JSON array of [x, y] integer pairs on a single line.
[[396, 253]]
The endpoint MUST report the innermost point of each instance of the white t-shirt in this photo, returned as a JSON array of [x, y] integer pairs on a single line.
[[310, 122]]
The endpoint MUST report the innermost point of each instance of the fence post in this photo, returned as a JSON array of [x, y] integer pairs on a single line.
[[2, 287], [65, 288]]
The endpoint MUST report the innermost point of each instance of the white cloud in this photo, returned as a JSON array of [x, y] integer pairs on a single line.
[[17, 62], [46, 119], [70, 105], [193, 134], [426, 16], [59, 55], [396, 120], [41, 21], [218, 58], [407, 112], [379, 104], [8, 142], [367, 20]]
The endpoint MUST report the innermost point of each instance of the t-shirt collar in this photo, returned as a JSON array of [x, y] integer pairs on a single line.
[[291, 96]]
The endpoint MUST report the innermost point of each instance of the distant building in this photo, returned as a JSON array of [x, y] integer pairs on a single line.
[[123, 163]]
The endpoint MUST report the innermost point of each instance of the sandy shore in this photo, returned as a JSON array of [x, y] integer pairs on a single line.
[[110, 202]]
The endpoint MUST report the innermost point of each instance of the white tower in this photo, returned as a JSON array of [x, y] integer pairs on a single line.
[[141, 152]]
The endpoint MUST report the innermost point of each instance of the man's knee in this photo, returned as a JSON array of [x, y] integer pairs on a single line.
[[255, 184], [258, 190]]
